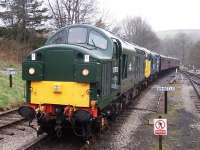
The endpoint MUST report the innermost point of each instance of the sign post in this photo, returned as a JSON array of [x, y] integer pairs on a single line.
[[165, 102], [160, 142], [10, 79], [10, 72], [165, 90], [160, 129]]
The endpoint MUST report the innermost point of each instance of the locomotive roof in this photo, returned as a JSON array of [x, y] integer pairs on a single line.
[[163, 56], [95, 52], [109, 36], [125, 45]]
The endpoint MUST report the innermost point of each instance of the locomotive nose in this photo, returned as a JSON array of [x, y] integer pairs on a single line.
[[27, 112]]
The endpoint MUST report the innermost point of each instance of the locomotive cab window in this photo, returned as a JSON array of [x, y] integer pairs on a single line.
[[77, 35], [97, 40], [58, 38]]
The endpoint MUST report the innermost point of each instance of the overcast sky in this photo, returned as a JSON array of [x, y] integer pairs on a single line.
[[160, 14]]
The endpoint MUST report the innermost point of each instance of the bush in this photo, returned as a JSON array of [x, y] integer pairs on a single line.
[[15, 46]]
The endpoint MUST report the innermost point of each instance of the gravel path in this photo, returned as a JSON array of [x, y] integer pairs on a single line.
[[120, 138], [187, 91], [13, 138], [183, 123]]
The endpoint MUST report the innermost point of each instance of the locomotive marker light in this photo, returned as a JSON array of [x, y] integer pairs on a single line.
[[85, 72], [10, 72], [160, 129], [165, 90], [31, 71]]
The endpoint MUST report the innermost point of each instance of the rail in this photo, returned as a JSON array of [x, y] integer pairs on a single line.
[[10, 118], [194, 80], [34, 143]]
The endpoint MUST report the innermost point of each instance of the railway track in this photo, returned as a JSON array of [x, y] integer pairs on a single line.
[[195, 82], [72, 142], [10, 118], [34, 144]]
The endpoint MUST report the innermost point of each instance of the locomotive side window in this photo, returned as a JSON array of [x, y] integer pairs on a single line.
[[58, 38], [124, 66], [77, 35], [115, 68], [130, 65], [114, 50], [97, 40]]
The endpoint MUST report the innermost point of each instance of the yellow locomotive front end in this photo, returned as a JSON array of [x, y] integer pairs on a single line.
[[147, 71], [60, 93]]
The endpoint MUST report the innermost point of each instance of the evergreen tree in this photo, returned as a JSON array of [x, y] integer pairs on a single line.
[[23, 15]]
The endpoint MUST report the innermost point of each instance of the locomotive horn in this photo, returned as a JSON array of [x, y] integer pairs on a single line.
[[27, 112]]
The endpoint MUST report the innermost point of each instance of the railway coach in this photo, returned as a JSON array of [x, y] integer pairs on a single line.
[[80, 78], [168, 63]]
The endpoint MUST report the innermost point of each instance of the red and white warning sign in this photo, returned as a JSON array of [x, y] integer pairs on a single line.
[[160, 126]]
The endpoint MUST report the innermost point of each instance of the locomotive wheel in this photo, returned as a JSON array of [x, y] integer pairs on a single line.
[[104, 124], [59, 133], [117, 110], [58, 130], [146, 84]]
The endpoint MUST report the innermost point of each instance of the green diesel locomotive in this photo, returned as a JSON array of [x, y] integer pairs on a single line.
[[82, 76]]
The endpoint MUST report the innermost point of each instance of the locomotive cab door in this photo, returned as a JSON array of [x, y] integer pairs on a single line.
[[115, 85]]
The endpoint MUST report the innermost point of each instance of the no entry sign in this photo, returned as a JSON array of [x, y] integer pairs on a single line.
[[160, 126]]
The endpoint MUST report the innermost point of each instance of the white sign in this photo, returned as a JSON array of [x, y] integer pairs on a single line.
[[86, 58], [10, 71], [165, 88], [160, 126]]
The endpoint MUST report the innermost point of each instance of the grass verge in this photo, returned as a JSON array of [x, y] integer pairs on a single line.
[[10, 97]]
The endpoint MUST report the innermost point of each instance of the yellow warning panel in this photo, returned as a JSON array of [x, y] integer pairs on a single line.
[[147, 68], [61, 93]]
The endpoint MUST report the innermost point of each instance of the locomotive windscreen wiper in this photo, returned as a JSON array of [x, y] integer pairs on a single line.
[[94, 44]]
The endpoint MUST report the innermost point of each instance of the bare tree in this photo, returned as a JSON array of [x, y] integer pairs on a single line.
[[136, 30], [183, 43], [169, 47], [194, 57], [67, 12], [100, 23], [178, 46], [117, 30]]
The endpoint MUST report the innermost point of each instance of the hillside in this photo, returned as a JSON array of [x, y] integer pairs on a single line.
[[10, 97], [193, 34]]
